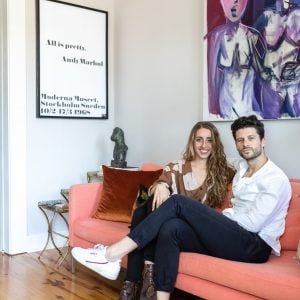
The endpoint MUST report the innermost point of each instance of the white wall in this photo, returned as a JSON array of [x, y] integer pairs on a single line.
[[159, 78], [3, 125], [61, 151], [46, 155], [16, 127]]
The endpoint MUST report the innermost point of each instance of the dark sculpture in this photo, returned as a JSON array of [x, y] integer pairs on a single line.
[[120, 149]]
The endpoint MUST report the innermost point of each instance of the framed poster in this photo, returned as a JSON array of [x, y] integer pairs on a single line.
[[72, 68], [252, 59]]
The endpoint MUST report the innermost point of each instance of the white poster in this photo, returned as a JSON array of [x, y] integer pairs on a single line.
[[72, 61]]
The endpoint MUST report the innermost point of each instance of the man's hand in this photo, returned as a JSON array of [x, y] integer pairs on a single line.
[[161, 194]]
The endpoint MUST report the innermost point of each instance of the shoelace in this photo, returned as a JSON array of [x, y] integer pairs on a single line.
[[99, 246], [102, 247]]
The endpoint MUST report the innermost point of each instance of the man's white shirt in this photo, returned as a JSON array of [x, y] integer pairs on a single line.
[[260, 202]]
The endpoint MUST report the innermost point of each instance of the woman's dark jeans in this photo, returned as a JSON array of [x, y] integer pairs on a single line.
[[184, 224], [136, 258]]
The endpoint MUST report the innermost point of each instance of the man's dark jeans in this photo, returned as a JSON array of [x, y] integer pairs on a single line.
[[184, 224]]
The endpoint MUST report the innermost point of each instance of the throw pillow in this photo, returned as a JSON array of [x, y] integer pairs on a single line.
[[120, 189]]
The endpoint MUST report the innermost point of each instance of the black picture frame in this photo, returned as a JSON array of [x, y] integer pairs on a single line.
[[72, 61]]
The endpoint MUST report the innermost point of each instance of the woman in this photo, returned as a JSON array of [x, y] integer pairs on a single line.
[[203, 174]]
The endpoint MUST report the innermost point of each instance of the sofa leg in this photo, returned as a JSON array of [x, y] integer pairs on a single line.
[[73, 265]]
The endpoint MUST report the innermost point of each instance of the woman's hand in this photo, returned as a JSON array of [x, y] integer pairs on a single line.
[[161, 194]]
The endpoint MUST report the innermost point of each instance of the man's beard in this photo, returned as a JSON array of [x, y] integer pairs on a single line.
[[255, 153]]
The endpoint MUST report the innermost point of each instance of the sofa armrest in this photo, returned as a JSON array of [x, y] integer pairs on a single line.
[[84, 199], [83, 202]]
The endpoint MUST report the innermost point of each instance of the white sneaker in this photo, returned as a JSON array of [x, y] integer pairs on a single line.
[[94, 259]]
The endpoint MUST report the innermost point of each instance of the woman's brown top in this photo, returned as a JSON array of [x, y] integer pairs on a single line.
[[180, 179]]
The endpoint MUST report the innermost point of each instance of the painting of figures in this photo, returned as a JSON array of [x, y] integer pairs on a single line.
[[253, 59]]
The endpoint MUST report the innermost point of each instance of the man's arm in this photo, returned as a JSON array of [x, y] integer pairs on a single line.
[[272, 197]]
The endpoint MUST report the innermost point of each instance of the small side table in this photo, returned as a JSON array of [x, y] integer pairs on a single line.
[[65, 194], [94, 176], [57, 207]]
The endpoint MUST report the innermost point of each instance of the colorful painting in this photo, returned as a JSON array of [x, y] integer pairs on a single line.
[[253, 59]]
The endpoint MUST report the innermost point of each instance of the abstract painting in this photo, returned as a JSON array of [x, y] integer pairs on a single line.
[[253, 59]]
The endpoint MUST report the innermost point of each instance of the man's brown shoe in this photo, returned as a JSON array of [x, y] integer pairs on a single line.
[[130, 291], [148, 287]]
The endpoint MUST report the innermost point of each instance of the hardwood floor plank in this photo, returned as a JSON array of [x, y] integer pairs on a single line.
[[25, 277]]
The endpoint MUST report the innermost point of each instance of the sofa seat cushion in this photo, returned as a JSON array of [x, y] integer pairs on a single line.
[[279, 278], [100, 231]]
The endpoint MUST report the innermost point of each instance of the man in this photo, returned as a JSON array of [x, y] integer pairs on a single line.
[[248, 231]]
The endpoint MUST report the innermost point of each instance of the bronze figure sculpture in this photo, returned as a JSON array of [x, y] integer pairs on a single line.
[[120, 149]]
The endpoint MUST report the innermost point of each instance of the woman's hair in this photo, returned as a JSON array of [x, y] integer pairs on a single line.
[[218, 172]]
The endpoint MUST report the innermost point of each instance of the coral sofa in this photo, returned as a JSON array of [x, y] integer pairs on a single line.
[[201, 275]]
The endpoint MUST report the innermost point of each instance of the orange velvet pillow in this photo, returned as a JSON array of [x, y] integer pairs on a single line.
[[120, 188]]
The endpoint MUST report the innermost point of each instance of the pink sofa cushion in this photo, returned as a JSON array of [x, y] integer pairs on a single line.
[[100, 231], [279, 278], [291, 236]]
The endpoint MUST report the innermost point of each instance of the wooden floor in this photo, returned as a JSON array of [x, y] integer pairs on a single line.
[[25, 277]]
